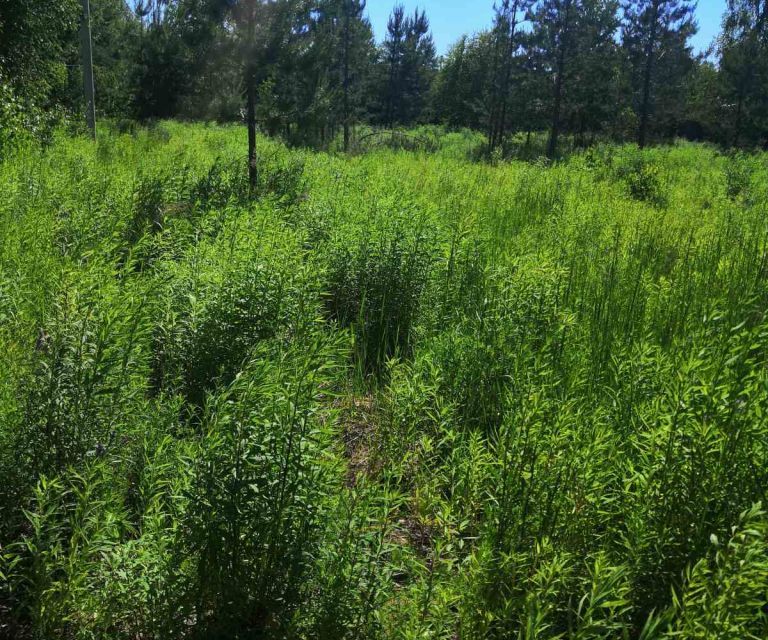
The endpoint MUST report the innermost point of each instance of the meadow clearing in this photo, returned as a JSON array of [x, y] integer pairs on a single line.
[[395, 395]]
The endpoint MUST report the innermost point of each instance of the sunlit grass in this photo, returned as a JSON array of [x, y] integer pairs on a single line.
[[397, 395]]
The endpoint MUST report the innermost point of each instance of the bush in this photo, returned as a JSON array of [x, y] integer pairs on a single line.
[[261, 490], [390, 396], [375, 280], [13, 124], [738, 176], [644, 179]]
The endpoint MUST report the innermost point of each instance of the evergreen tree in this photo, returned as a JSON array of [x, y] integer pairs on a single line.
[[655, 37], [594, 80], [344, 52], [410, 60], [508, 16], [177, 41], [744, 70], [557, 19], [393, 52], [265, 33]]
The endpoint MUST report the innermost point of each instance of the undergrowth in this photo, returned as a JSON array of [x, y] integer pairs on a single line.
[[396, 395]]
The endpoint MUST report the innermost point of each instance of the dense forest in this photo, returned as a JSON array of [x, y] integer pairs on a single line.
[[311, 69]]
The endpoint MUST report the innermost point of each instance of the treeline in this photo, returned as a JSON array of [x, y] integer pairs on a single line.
[[309, 70]]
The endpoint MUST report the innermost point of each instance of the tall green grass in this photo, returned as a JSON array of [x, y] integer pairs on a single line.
[[395, 395]]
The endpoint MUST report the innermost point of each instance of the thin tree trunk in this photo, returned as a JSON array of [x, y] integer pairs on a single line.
[[559, 82], [492, 116], [502, 124], [347, 27], [86, 51], [250, 90], [253, 175], [390, 114], [739, 119], [645, 108]]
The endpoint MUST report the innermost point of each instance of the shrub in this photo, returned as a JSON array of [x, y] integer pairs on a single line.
[[376, 276], [645, 181], [261, 490], [738, 176], [13, 123]]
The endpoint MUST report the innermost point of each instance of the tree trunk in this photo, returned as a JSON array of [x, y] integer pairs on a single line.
[[494, 106], [739, 119], [502, 124], [347, 27], [645, 107], [253, 174], [250, 90], [87, 61], [559, 82]]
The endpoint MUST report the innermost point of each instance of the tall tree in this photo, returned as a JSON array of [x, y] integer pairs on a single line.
[[86, 55], [558, 19], [115, 33], [507, 18], [37, 39], [264, 30], [394, 52], [175, 50], [594, 71], [354, 24], [343, 53], [419, 67], [460, 96], [744, 68], [410, 60], [656, 33]]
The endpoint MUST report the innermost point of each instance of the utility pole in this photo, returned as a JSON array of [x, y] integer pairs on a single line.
[[86, 52]]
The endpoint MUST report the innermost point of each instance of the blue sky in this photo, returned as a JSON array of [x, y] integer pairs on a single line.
[[452, 18]]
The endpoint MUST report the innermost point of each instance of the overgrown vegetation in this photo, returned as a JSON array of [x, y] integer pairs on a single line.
[[396, 395]]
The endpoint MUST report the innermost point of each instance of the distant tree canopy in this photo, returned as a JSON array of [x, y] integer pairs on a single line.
[[586, 69], [37, 40]]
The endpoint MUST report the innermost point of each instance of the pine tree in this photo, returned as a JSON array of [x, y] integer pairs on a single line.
[[558, 18], [265, 31], [656, 34], [411, 62], [345, 55], [594, 93], [508, 16], [744, 69]]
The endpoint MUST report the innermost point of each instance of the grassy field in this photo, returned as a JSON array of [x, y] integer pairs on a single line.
[[400, 395]]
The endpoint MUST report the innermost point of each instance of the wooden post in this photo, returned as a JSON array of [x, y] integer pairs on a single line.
[[87, 64]]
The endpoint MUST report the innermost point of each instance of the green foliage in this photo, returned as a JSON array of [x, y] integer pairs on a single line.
[[395, 395], [12, 119], [320, 79], [645, 180], [260, 489], [738, 175], [376, 276], [724, 594]]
